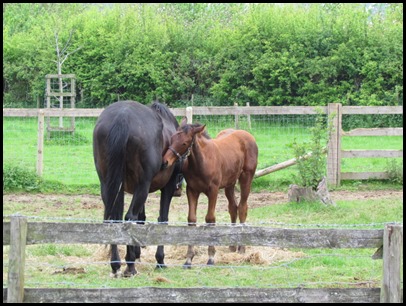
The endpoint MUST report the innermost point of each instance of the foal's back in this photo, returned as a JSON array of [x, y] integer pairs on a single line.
[[236, 153]]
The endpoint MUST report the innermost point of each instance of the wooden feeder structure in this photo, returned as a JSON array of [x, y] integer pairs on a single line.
[[60, 93]]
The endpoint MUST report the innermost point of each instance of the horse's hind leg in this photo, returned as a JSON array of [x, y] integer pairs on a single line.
[[115, 261], [211, 221], [133, 252], [136, 212], [232, 209], [245, 186], [165, 202]]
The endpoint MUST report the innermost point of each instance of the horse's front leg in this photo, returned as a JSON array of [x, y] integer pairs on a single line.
[[211, 221], [192, 197]]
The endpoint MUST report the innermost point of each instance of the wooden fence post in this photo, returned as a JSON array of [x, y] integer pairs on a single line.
[[189, 114], [40, 144], [334, 145], [18, 238], [392, 263], [249, 117], [236, 115]]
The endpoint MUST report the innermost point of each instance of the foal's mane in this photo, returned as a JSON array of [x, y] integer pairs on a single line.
[[164, 112]]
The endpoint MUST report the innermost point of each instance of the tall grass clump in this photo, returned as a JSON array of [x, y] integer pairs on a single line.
[[395, 171]]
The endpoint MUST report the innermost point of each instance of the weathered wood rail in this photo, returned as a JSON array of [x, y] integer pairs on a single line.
[[335, 153], [19, 233]]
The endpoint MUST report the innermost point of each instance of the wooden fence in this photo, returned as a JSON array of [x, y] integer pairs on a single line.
[[19, 233], [334, 152]]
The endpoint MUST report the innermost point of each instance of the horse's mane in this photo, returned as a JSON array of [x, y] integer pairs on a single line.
[[164, 112], [188, 127]]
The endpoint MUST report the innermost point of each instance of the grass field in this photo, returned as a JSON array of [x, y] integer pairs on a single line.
[[68, 158], [69, 168]]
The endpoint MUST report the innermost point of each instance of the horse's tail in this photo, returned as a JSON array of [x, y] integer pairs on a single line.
[[116, 152]]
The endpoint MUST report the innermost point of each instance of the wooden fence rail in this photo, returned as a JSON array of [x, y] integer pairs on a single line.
[[19, 233]]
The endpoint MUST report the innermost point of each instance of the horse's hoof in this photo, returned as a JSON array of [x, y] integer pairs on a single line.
[[116, 274], [187, 266], [129, 273], [232, 248], [210, 262], [160, 266], [241, 249]]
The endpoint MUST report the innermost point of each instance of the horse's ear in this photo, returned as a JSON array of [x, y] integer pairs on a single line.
[[200, 128], [184, 121]]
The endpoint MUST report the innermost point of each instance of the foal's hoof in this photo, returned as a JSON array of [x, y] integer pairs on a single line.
[[241, 249], [210, 262], [187, 266], [177, 192]]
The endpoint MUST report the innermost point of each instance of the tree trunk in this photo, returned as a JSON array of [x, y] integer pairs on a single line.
[[307, 194]]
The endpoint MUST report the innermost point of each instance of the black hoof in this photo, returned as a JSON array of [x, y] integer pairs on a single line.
[[129, 272], [160, 266], [187, 266], [210, 262]]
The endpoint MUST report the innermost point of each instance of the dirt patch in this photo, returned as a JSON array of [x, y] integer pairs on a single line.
[[255, 199], [53, 204]]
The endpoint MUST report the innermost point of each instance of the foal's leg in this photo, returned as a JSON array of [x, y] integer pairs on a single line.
[[136, 212], [232, 209], [245, 186], [211, 220], [192, 197]]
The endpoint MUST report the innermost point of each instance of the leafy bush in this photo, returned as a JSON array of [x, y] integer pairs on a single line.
[[395, 171], [19, 178], [310, 156]]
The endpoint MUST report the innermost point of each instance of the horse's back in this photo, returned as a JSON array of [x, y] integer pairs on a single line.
[[129, 111]]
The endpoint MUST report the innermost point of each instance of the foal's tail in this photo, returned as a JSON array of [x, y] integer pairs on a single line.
[[114, 189]]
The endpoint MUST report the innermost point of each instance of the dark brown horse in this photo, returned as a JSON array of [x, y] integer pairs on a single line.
[[129, 140], [213, 164]]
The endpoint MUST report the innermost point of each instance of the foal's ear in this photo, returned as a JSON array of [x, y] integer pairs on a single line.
[[200, 128], [184, 121]]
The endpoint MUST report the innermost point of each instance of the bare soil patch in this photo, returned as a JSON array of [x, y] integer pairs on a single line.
[[255, 199], [175, 255]]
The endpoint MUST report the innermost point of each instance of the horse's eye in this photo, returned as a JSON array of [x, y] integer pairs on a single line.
[[184, 144]]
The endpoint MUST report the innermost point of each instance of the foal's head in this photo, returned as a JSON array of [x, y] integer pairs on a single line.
[[181, 143]]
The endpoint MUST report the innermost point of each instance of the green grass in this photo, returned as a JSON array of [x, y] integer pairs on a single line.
[[69, 169], [68, 158], [344, 213]]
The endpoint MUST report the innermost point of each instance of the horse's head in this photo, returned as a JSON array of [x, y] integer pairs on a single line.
[[181, 143]]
